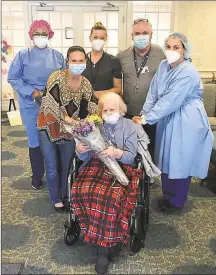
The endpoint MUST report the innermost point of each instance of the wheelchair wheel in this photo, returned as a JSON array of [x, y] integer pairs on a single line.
[[136, 244], [147, 210], [70, 237]]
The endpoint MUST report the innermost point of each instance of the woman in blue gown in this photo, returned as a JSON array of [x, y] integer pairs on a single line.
[[184, 139], [28, 75]]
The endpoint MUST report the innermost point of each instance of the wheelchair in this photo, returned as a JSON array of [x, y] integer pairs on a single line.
[[138, 222]]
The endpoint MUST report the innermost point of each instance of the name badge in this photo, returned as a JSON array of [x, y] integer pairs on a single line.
[[145, 70]]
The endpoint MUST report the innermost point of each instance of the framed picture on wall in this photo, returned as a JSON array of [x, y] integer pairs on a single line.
[[6, 55]]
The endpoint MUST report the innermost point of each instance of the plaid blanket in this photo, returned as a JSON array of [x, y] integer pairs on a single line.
[[103, 206]]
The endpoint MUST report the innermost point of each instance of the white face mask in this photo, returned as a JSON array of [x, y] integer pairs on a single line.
[[41, 42], [172, 56], [98, 44], [111, 119]]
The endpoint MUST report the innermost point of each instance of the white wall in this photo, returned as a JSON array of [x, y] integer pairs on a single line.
[[197, 19]]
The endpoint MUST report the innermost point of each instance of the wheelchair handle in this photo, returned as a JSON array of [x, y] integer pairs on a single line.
[[138, 158]]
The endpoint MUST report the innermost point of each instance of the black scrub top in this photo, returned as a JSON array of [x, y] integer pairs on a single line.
[[102, 73]]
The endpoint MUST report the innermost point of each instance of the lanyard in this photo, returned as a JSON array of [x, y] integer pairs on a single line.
[[138, 71], [96, 66]]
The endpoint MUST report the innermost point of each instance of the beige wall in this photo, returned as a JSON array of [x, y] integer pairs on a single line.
[[197, 19]]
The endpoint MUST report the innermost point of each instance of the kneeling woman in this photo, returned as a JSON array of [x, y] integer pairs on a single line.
[[103, 206]]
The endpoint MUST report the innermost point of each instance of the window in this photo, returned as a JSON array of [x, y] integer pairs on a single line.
[[62, 25], [13, 25], [13, 34], [159, 15], [110, 20]]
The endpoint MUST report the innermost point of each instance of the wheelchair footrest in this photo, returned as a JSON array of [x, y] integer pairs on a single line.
[[136, 243], [72, 232]]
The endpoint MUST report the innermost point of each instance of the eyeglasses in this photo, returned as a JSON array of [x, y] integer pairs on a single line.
[[44, 35], [140, 20]]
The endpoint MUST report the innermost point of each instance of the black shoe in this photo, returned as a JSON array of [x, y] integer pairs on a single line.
[[114, 252], [102, 263], [166, 207], [64, 199], [66, 203], [36, 185], [172, 209], [60, 209]]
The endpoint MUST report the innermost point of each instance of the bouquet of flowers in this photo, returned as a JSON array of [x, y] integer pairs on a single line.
[[87, 131]]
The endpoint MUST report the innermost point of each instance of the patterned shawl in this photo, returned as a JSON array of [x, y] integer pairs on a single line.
[[59, 101]]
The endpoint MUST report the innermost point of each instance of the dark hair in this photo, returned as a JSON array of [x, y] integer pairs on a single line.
[[75, 49], [98, 26]]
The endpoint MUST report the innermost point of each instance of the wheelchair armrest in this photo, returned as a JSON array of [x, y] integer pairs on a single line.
[[138, 159]]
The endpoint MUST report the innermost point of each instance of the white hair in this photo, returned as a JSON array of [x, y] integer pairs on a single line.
[[113, 97]]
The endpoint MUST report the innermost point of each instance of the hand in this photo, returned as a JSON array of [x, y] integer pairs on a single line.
[[83, 148], [112, 152], [70, 120], [137, 119], [37, 94], [98, 94]]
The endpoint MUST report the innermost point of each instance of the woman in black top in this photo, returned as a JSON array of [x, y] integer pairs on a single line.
[[102, 70]]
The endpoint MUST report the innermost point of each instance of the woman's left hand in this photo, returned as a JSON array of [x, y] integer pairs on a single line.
[[70, 120], [112, 152], [98, 94]]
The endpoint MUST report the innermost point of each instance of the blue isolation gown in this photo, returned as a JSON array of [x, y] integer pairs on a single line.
[[28, 72], [184, 139]]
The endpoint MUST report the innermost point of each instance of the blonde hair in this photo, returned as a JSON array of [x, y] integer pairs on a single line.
[[115, 98], [98, 26]]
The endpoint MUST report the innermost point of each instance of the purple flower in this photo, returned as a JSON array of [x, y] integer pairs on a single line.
[[83, 129]]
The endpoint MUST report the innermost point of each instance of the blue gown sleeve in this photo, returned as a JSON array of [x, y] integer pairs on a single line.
[[172, 100], [63, 63], [15, 78]]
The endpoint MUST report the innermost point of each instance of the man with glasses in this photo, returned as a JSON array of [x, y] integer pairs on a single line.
[[139, 64]]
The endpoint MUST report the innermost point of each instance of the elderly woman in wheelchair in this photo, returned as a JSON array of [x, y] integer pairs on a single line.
[[105, 209]]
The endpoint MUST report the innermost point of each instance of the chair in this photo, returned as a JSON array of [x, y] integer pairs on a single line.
[[213, 155], [209, 100], [212, 160]]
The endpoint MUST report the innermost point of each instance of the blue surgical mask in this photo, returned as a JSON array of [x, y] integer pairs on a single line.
[[141, 41], [77, 69]]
